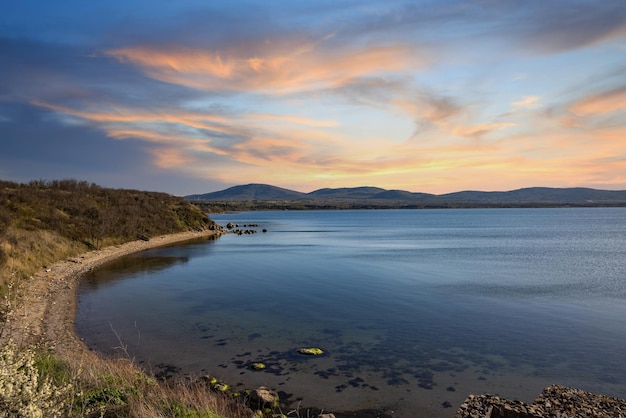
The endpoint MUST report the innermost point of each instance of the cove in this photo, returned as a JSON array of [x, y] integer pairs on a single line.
[[413, 308]]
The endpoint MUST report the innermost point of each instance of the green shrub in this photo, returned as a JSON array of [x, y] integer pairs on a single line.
[[96, 398], [179, 410], [52, 368]]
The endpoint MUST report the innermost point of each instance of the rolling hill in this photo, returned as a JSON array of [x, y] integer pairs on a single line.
[[250, 192], [347, 193], [362, 197]]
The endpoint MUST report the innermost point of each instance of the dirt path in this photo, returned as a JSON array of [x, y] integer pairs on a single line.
[[44, 310]]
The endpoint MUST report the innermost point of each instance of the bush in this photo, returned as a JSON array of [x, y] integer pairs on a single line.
[[92, 214], [23, 393]]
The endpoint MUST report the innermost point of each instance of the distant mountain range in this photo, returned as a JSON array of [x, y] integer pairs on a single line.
[[264, 194]]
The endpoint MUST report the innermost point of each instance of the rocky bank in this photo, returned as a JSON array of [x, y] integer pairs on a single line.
[[554, 402]]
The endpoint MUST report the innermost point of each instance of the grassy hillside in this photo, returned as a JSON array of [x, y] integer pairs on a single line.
[[45, 221]]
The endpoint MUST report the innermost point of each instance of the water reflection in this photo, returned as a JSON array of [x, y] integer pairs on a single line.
[[146, 263]]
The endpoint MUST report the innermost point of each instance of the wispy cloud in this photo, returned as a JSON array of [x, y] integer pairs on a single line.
[[170, 157], [297, 67], [601, 103], [527, 102]]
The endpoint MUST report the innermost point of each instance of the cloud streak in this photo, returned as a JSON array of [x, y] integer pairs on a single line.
[[601, 103], [300, 68]]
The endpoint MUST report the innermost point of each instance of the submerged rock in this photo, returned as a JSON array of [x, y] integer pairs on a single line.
[[311, 351], [257, 366]]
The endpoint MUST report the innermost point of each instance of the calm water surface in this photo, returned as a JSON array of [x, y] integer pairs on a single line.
[[413, 307]]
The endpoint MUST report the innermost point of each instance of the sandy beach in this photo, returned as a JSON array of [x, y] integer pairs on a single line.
[[42, 314]]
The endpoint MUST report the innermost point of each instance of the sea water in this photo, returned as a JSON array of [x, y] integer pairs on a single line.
[[414, 309]]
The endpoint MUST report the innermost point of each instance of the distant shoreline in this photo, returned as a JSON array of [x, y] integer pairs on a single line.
[[258, 206], [45, 308], [267, 197]]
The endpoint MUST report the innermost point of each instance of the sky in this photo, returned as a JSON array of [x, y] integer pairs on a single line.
[[426, 96]]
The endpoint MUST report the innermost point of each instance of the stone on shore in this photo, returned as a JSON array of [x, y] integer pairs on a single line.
[[266, 396], [554, 401], [214, 384]]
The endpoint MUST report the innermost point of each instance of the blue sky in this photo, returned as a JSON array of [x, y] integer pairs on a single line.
[[431, 96]]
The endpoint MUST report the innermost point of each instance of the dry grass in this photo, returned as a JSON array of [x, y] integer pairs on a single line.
[[116, 388], [95, 387], [26, 251]]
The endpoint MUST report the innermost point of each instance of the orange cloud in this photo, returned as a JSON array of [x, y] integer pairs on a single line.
[[477, 131], [601, 103], [299, 67], [313, 153], [181, 60], [191, 119], [168, 158], [428, 165], [250, 144], [308, 155], [449, 117], [526, 102], [615, 135], [433, 109], [124, 115]]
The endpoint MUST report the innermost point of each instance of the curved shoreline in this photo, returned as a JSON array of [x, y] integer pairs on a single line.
[[45, 307]]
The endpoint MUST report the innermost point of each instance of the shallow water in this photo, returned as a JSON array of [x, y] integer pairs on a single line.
[[412, 307]]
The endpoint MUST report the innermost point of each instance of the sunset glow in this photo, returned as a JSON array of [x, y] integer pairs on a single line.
[[435, 97]]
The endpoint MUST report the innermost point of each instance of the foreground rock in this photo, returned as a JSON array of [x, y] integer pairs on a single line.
[[554, 401], [265, 396]]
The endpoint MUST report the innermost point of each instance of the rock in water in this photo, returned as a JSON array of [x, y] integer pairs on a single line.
[[311, 351], [257, 366]]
